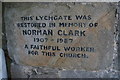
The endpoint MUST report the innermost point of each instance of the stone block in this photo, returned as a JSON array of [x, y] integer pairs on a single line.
[[61, 35]]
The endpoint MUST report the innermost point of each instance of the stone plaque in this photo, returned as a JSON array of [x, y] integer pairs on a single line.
[[61, 35]]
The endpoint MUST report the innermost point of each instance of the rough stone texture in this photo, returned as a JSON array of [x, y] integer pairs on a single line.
[[0, 25], [119, 38], [60, 0], [88, 74], [18, 71], [101, 37]]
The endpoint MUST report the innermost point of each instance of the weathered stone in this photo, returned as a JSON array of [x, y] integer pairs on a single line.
[[60, 1], [0, 25], [99, 38], [18, 71], [119, 38], [87, 74]]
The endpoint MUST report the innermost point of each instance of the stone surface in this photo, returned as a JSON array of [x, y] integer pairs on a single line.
[[0, 25], [60, 0], [18, 71], [119, 38], [100, 38], [88, 74]]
